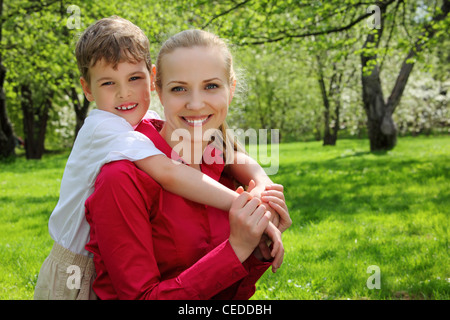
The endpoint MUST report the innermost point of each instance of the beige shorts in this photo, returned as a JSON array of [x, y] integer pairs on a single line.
[[65, 275]]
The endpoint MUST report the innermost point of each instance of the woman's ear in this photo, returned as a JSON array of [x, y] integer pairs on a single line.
[[232, 89], [87, 91], [152, 78]]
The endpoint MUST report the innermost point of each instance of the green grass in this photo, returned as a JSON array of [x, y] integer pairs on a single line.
[[351, 209]]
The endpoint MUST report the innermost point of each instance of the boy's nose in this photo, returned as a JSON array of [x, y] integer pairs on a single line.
[[124, 92]]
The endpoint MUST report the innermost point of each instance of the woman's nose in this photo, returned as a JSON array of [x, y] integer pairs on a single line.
[[195, 101]]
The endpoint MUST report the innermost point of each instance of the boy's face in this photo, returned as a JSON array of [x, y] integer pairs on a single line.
[[124, 91]]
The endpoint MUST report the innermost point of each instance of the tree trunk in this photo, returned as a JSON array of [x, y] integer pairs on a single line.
[[81, 109], [330, 133], [7, 138], [34, 123], [381, 126]]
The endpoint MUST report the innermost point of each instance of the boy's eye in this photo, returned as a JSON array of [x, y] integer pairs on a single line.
[[177, 89], [107, 83], [135, 78]]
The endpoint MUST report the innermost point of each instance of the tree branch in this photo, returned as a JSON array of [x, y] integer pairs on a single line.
[[382, 5], [30, 9], [405, 71], [224, 13]]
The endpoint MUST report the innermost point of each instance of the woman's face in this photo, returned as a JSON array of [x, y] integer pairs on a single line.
[[195, 91]]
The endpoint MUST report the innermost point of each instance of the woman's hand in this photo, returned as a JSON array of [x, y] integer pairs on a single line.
[[274, 235], [271, 235], [248, 220]]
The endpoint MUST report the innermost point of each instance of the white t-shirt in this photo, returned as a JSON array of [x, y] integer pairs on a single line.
[[104, 137]]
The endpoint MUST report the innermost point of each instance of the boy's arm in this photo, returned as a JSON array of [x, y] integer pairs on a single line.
[[187, 182], [245, 169]]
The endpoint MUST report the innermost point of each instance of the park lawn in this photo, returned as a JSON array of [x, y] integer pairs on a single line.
[[351, 210]]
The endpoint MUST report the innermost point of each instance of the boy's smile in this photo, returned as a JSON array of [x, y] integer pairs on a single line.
[[124, 90]]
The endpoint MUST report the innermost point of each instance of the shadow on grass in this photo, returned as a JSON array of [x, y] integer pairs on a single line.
[[353, 184], [22, 165]]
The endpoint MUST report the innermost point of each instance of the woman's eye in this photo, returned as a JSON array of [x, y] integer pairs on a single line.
[[211, 86]]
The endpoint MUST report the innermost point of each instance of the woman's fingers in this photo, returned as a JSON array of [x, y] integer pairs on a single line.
[[240, 201], [277, 246]]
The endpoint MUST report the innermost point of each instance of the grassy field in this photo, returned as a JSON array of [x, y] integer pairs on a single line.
[[351, 209]]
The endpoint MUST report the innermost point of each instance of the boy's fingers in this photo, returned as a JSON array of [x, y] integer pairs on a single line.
[[275, 186], [278, 206], [240, 190], [273, 193], [277, 200], [251, 185]]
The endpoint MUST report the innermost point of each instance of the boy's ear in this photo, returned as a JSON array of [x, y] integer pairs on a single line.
[[87, 91]]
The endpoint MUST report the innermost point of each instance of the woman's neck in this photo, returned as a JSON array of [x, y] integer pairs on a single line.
[[190, 151]]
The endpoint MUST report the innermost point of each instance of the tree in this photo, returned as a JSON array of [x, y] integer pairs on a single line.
[[7, 138], [289, 21], [381, 126], [35, 93]]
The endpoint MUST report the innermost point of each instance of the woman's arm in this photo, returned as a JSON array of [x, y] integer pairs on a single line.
[[121, 239]]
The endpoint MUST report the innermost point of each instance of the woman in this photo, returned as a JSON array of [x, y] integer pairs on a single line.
[[151, 244]]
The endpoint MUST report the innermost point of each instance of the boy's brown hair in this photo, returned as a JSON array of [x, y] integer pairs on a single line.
[[113, 39]]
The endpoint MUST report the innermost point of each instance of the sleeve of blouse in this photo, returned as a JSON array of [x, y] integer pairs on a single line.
[[119, 216], [247, 285]]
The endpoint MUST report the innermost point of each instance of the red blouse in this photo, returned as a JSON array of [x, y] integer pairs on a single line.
[[152, 244]]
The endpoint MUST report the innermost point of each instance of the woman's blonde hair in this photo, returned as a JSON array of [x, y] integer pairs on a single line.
[[200, 38]]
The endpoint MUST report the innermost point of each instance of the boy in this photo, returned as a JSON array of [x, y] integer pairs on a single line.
[[114, 60]]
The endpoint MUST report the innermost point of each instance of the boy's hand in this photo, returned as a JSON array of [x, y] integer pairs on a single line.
[[257, 191], [273, 195]]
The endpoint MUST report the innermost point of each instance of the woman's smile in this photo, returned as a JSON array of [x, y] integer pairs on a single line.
[[196, 121]]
